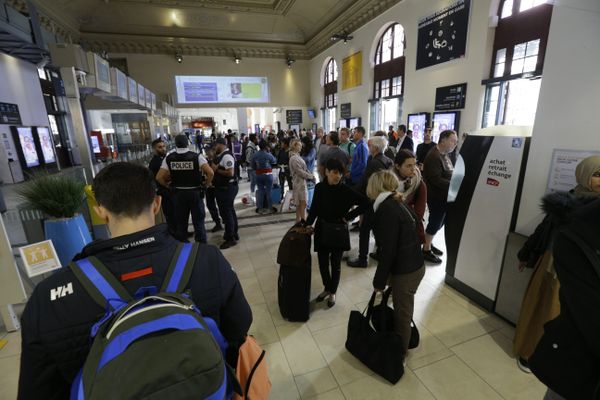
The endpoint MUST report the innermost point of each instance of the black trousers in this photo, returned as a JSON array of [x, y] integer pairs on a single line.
[[285, 176], [186, 202], [225, 197], [211, 204], [331, 279], [168, 209], [365, 234]]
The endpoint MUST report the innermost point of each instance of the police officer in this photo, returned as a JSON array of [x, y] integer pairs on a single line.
[[226, 188], [168, 208], [183, 170]]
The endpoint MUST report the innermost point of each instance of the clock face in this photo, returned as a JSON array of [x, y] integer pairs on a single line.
[[443, 35]]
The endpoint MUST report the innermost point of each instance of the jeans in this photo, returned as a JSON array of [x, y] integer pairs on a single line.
[[331, 280], [265, 184], [186, 202], [404, 287], [225, 197], [211, 204], [252, 176]]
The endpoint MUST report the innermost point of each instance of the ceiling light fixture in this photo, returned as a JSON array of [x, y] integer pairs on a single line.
[[341, 36], [289, 61], [179, 57], [237, 59]]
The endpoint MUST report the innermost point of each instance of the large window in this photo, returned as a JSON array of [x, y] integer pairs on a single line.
[[509, 8], [525, 57], [391, 44], [389, 63], [331, 84]]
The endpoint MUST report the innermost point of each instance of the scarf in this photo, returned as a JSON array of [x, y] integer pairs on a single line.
[[380, 199], [584, 171]]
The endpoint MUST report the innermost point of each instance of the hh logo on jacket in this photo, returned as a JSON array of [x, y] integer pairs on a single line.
[[61, 291]]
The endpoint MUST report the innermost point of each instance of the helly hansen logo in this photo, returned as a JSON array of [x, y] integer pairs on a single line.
[[61, 291], [182, 165]]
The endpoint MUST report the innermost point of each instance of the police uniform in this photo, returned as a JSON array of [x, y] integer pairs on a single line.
[[226, 188], [168, 208], [186, 182]]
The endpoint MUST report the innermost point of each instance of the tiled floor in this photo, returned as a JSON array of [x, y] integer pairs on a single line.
[[465, 352]]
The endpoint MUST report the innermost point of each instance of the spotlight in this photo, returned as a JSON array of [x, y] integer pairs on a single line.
[[289, 61], [179, 57], [237, 59]]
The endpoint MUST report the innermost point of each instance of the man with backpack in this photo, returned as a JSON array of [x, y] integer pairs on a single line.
[[146, 301]]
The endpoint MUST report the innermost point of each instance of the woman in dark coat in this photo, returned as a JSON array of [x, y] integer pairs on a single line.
[[332, 203], [412, 187], [400, 257]]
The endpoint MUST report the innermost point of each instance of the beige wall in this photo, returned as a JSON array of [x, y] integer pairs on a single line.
[[419, 90], [287, 86]]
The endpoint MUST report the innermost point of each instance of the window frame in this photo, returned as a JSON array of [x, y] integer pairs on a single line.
[[330, 84], [391, 30]]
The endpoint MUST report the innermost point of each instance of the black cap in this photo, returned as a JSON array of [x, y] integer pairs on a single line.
[[181, 141], [220, 140]]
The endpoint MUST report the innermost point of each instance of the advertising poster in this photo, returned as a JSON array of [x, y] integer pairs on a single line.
[[28, 147], [442, 36], [221, 89], [417, 124], [95, 145], [46, 145], [352, 71], [562, 169], [442, 122]]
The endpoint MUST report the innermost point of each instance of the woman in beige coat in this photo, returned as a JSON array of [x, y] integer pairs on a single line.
[[300, 175]]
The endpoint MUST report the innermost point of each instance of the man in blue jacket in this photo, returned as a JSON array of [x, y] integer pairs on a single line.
[[58, 318], [360, 157]]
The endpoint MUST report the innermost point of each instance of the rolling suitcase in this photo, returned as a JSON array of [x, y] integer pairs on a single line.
[[293, 288]]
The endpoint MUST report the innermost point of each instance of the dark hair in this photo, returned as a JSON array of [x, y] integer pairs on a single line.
[[156, 141], [335, 138], [402, 156], [124, 188], [252, 137], [263, 144], [307, 145], [333, 164], [446, 134], [285, 141], [360, 129], [380, 133], [402, 128]]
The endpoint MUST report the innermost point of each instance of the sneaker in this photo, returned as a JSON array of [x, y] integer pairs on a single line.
[[430, 257], [357, 263], [322, 296], [523, 365], [331, 300], [217, 228], [227, 244], [436, 251]]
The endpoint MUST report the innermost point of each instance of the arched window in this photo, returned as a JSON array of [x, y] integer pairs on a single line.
[[330, 83], [389, 63], [391, 44]]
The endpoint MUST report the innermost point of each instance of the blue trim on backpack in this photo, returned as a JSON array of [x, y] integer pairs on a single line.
[[182, 260], [105, 288], [221, 392], [119, 344], [77, 387]]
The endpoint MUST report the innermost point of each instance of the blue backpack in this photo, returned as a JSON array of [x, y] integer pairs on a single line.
[[155, 346]]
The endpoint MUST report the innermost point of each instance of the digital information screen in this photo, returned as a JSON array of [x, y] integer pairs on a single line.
[[46, 144], [221, 89], [442, 122], [417, 123], [28, 147]]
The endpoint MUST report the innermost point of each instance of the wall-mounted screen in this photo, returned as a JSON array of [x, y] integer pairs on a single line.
[[343, 123], [417, 124], [443, 121], [95, 145], [132, 92], [28, 147], [312, 114], [354, 122], [46, 144], [221, 89]]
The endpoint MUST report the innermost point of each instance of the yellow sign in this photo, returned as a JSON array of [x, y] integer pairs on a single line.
[[39, 258], [352, 71]]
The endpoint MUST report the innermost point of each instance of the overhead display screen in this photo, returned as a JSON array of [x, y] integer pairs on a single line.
[[46, 144], [221, 89]]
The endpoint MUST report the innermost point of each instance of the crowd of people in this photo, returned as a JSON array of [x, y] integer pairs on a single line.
[[381, 182]]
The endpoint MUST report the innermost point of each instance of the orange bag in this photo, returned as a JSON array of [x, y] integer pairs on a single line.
[[252, 372]]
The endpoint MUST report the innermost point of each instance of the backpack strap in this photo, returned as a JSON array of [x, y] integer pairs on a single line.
[[100, 283], [180, 269]]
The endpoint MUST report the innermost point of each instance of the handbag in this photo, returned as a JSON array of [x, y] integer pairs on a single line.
[[380, 351], [335, 235], [383, 316]]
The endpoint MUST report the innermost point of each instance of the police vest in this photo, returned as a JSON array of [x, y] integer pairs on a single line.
[[185, 170], [220, 180]]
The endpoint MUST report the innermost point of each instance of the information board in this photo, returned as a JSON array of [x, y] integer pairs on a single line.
[[221, 89], [450, 97], [346, 110], [293, 116], [39, 258], [562, 169], [9, 114]]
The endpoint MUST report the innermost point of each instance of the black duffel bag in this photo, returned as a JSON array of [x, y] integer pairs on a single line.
[[383, 316], [380, 351], [334, 235]]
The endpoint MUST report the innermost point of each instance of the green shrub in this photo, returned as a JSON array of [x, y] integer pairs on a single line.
[[55, 195]]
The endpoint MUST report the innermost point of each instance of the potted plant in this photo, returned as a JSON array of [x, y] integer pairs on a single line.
[[59, 198]]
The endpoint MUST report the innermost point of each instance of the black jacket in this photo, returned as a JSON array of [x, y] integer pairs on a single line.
[[394, 227], [56, 334], [374, 164], [567, 358]]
